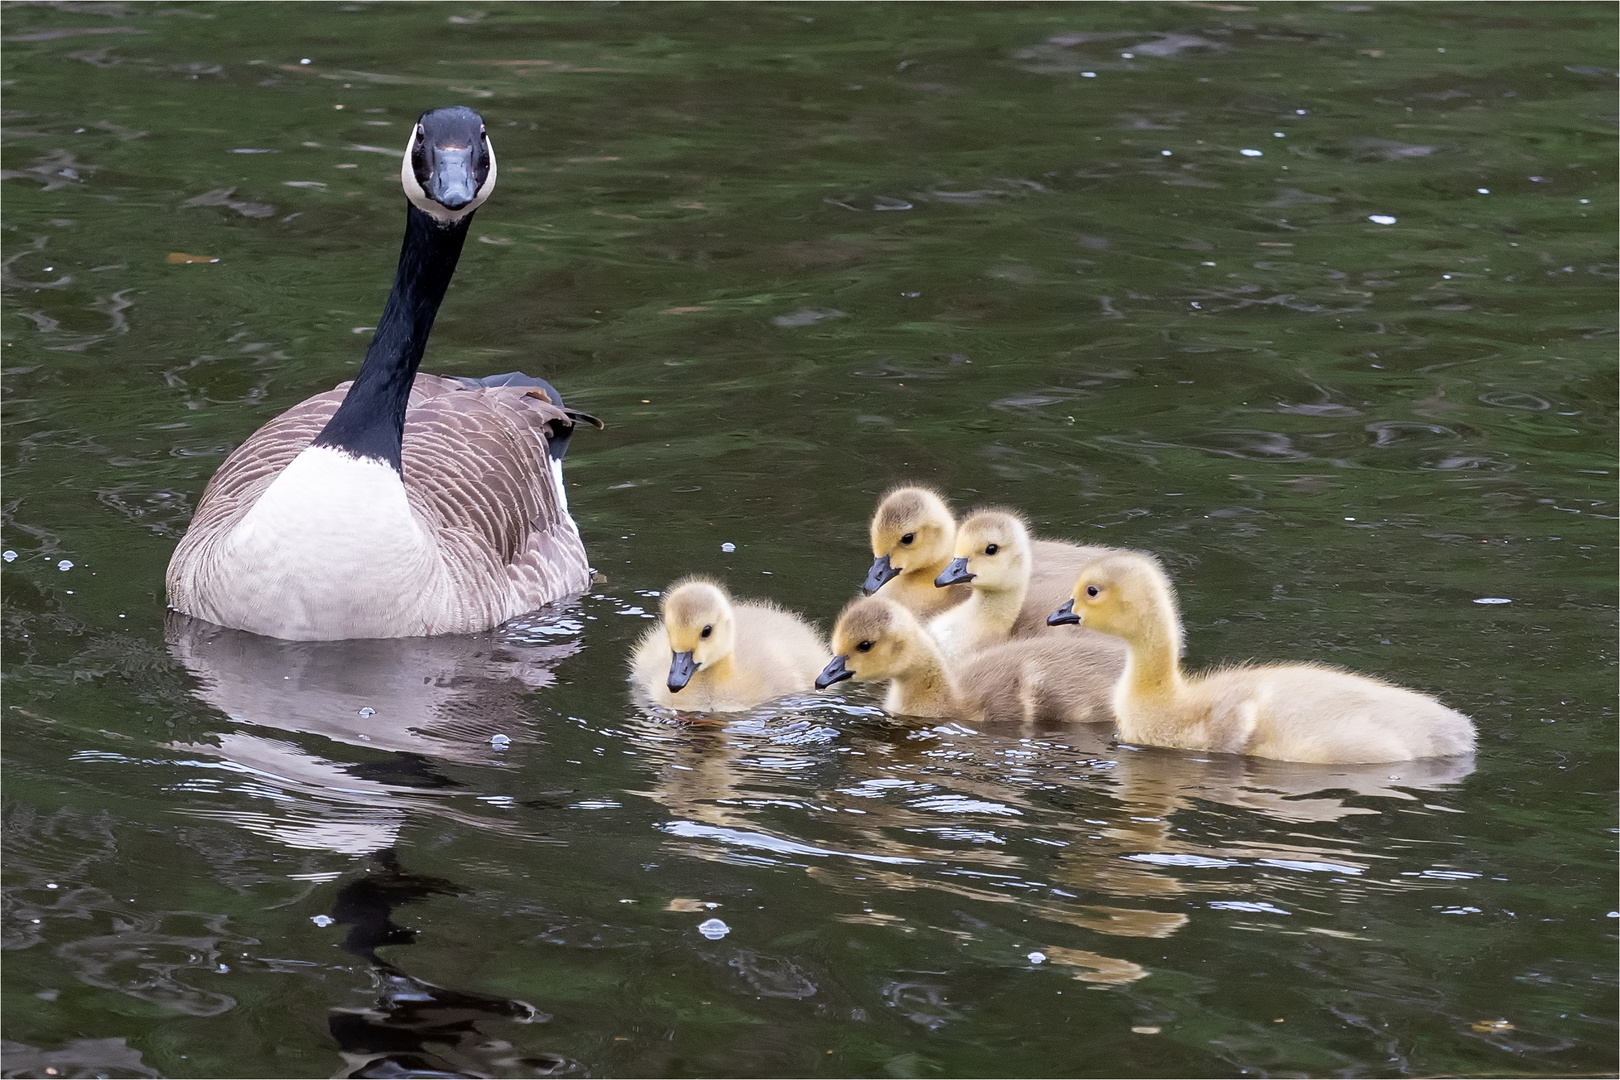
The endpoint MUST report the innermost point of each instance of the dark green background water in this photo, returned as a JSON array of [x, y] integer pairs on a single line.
[[794, 254]]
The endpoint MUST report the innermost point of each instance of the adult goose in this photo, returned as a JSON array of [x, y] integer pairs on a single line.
[[400, 504]]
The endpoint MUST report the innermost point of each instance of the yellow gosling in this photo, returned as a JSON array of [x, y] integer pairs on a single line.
[[913, 541], [713, 654], [1289, 712], [878, 640], [993, 555], [912, 534]]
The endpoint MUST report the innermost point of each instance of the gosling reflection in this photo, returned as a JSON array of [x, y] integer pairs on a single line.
[[412, 704], [393, 1038]]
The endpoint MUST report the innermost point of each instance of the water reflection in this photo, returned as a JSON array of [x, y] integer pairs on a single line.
[[411, 704]]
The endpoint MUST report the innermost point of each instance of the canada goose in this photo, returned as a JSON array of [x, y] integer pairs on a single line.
[[1043, 679], [400, 504], [913, 536], [1290, 712], [711, 654], [993, 555]]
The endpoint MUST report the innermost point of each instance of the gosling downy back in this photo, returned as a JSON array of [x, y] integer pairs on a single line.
[[1052, 680], [399, 504]]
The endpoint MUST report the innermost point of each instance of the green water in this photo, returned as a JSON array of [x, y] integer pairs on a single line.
[[792, 255]]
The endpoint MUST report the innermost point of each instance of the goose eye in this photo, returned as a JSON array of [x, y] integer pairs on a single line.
[[1092, 590], [991, 549], [908, 538], [707, 630], [865, 646]]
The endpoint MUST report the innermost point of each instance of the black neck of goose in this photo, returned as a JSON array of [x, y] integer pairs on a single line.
[[370, 423]]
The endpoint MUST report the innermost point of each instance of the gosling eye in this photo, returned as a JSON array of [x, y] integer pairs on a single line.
[[1092, 590], [707, 630], [991, 549], [908, 538], [865, 646]]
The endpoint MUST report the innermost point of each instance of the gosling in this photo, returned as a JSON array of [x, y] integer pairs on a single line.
[[993, 556], [1288, 712], [713, 654], [913, 540], [1048, 679]]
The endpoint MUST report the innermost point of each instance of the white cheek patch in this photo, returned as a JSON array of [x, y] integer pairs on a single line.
[[435, 210]]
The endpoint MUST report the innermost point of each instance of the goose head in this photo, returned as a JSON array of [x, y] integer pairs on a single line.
[[700, 627], [911, 530], [1123, 595], [874, 639], [992, 550], [449, 166]]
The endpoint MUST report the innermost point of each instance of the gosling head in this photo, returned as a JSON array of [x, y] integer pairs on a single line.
[[992, 551], [874, 639], [449, 166], [1120, 595], [700, 627], [912, 530]]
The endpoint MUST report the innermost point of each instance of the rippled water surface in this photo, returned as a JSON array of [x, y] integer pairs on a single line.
[[1126, 268]]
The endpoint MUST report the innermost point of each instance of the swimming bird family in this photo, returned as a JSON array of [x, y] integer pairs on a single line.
[[402, 504]]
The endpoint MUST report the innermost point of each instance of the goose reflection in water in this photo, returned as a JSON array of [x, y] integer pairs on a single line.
[[412, 705]]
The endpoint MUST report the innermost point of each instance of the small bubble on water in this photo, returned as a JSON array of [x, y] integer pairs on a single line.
[[1247, 152], [305, 61], [1164, 153], [1088, 74], [499, 742], [367, 711], [322, 920], [1037, 958], [1493, 600], [713, 929], [1278, 135], [8, 555], [1483, 190], [1381, 219], [65, 565], [728, 547], [1301, 112]]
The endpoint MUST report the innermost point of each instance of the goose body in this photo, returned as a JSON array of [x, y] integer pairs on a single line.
[[711, 653], [1288, 712], [913, 539], [400, 504], [1047, 679]]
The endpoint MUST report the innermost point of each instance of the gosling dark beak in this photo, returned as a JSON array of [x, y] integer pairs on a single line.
[[681, 669], [835, 671], [1064, 615], [954, 574], [881, 574]]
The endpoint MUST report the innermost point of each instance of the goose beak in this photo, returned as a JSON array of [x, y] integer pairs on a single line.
[[681, 670], [451, 175], [954, 574], [881, 574], [835, 671], [1064, 615]]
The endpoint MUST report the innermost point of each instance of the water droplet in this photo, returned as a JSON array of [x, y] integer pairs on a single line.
[[713, 929], [322, 920], [8, 555], [499, 742], [1483, 190], [1246, 152], [1164, 153], [367, 711], [305, 60], [1037, 958], [728, 547], [1381, 219], [65, 565]]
